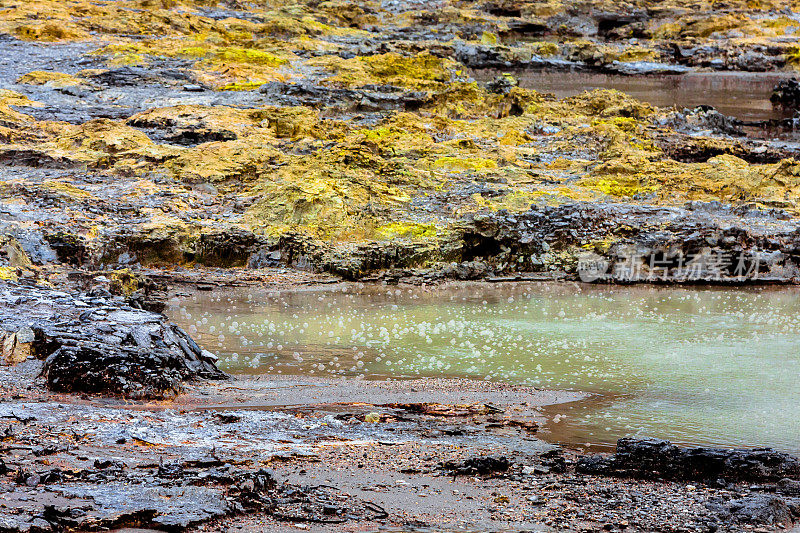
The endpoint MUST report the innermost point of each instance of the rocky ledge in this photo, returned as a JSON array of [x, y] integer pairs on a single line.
[[98, 344], [774, 498], [702, 242], [660, 459]]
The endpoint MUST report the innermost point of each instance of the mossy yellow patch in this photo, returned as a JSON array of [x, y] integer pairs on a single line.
[[220, 161], [257, 139], [42, 77], [347, 14], [703, 26], [96, 144], [545, 49], [285, 24], [667, 30], [127, 60], [598, 53], [422, 71], [489, 38], [515, 201], [639, 53], [396, 137], [221, 121], [209, 120], [123, 281], [327, 201], [622, 187], [297, 122], [220, 63], [607, 103], [8, 273], [626, 124], [102, 135], [725, 178], [465, 163], [348, 190], [12, 117], [793, 56], [67, 189], [779, 25], [52, 20], [407, 230], [241, 69], [468, 100], [48, 32], [248, 56]]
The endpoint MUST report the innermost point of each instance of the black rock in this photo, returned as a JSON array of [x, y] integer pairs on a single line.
[[128, 76], [367, 98], [502, 84], [654, 458], [225, 418], [170, 470], [108, 348], [480, 466], [752, 245], [787, 93]]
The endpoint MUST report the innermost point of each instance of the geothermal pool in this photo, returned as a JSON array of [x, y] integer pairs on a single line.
[[743, 95], [695, 365]]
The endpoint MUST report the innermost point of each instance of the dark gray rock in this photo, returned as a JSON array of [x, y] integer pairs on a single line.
[[756, 509], [101, 345], [367, 98], [480, 466], [31, 241], [701, 243], [753, 61], [788, 486], [502, 84], [654, 458], [114, 504], [133, 76], [705, 117], [787, 93]]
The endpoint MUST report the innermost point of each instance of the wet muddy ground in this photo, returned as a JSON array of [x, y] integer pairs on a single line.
[[368, 447]]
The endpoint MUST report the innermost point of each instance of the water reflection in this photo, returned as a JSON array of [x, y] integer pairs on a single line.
[[738, 94]]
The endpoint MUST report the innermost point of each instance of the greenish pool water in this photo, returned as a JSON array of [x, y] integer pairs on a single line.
[[705, 366]]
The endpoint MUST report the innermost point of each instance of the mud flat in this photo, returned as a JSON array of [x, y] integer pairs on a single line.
[[356, 456]]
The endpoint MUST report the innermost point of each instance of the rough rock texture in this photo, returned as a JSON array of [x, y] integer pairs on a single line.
[[478, 466], [660, 459], [757, 509], [787, 93], [703, 242], [362, 130], [97, 344]]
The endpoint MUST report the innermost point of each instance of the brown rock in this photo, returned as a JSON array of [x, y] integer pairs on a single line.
[[9, 341], [17, 347]]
